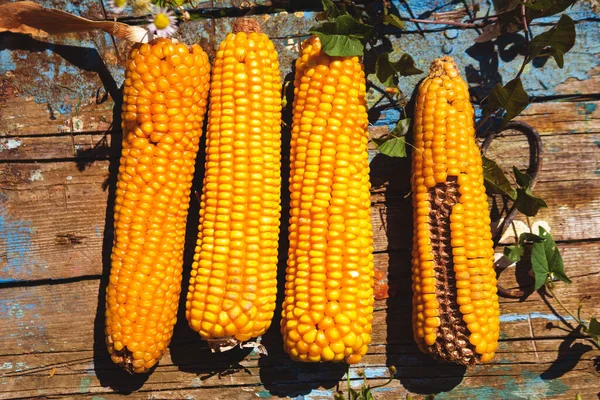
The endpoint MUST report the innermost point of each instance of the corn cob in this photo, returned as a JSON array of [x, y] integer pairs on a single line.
[[164, 101], [327, 312], [455, 301], [233, 284]]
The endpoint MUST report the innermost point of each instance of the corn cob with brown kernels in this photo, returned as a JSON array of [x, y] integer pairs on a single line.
[[455, 301]]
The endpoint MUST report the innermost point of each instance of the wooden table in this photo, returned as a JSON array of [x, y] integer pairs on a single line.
[[58, 163]]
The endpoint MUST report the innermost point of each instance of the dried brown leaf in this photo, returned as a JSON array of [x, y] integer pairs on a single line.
[[30, 18]]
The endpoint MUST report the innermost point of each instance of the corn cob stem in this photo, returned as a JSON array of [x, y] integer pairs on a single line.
[[233, 286], [164, 100], [455, 301], [327, 312]]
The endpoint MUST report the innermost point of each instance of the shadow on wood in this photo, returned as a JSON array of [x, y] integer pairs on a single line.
[[569, 355], [506, 48]]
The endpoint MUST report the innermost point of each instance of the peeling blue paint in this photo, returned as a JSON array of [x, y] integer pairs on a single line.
[[15, 243], [370, 372], [6, 61], [590, 108], [533, 315], [12, 308], [84, 384], [6, 366], [383, 390], [263, 394], [317, 394], [528, 385]]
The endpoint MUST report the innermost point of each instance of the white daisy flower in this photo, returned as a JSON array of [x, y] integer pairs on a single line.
[[163, 22], [116, 6], [142, 7]]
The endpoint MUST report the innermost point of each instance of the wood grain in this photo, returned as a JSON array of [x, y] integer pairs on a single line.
[[79, 356]]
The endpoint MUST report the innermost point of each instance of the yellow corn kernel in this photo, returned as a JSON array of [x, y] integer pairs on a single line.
[[153, 192], [330, 260], [452, 225], [236, 252]]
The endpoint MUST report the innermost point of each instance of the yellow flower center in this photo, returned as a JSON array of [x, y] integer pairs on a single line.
[[120, 3], [161, 21]]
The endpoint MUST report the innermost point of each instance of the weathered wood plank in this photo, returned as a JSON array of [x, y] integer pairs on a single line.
[[47, 86], [571, 153], [55, 215], [34, 319]]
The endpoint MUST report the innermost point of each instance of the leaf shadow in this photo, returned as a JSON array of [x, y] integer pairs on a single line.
[[486, 75], [570, 352]]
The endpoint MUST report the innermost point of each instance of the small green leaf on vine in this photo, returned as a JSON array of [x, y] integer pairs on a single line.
[[343, 37], [555, 261], [527, 237], [514, 253], [512, 98], [555, 42], [523, 180], [594, 327], [545, 8], [495, 180], [330, 11], [394, 20], [526, 202], [546, 261], [394, 143], [387, 71]]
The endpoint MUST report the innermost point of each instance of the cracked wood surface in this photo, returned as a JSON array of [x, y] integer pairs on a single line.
[[58, 155]]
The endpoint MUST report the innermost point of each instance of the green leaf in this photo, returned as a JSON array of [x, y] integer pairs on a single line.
[[514, 253], [366, 393], [394, 143], [512, 98], [343, 37], [330, 9], [495, 180], [528, 204], [385, 72], [523, 180], [555, 261], [394, 20], [555, 42], [545, 8], [594, 327], [405, 66], [539, 265], [527, 237]]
